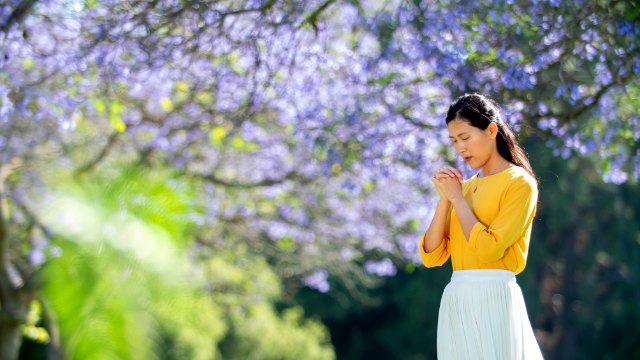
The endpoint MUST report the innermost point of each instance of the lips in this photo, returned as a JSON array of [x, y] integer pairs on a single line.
[[467, 158]]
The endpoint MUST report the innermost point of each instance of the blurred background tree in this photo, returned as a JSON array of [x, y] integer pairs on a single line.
[[222, 165]]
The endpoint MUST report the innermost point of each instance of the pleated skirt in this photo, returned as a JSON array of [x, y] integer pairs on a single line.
[[483, 316]]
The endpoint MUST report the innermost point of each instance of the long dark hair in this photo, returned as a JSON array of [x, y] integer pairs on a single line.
[[481, 111]]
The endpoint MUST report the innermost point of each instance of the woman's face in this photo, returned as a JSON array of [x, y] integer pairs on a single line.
[[476, 146]]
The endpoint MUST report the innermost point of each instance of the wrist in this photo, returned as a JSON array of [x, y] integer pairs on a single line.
[[444, 202], [457, 200]]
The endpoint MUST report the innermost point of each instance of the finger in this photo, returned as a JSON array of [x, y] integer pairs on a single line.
[[459, 175], [450, 172], [444, 171], [451, 180], [441, 173], [455, 173]]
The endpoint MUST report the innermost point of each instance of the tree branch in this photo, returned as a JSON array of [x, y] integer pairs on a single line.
[[18, 14], [28, 272], [596, 98], [103, 153], [312, 19], [575, 114], [5, 283], [291, 175], [405, 115], [267, 6]]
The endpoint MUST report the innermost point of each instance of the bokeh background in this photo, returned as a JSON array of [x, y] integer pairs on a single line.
[[250, 179]]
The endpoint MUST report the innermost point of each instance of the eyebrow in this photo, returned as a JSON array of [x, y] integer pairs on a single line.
[[462, 133]]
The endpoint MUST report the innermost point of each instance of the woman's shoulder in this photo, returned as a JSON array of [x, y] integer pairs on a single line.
[[520, 173], [518, 177]]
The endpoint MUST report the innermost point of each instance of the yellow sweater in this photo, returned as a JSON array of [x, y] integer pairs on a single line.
[[504, 204]]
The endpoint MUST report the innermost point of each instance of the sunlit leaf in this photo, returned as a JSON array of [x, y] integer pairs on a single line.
[[217, 135], [204, 97], [115, 118], [99, 105], [238, 143], [28, 64], [90, 4], [287, 244], [166, 104]]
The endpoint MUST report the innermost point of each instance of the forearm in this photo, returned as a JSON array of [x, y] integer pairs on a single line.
[[435, 233], [465, 215]]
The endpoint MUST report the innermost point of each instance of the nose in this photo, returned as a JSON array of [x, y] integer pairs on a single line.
[[461, 149]]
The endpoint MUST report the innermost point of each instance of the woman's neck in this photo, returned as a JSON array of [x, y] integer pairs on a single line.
[[495, 165]]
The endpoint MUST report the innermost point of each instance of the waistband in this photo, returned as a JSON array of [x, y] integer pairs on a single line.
[[484, 274]]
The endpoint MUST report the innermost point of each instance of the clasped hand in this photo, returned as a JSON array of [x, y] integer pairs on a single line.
[[448, 182]]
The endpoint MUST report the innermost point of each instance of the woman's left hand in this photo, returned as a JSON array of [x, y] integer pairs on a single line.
[[449, 187]]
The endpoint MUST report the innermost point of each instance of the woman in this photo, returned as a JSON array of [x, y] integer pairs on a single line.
[[484, 225]]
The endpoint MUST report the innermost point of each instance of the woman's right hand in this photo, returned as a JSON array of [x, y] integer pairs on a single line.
[[444, 173], [448, 172]]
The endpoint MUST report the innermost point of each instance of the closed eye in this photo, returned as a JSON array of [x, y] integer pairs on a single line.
[[463, 139]]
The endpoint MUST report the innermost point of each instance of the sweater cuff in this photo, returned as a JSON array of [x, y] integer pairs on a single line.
[[475, 234], [433, 254]]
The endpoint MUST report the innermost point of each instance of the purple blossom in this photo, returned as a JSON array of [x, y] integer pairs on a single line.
[[616, 176], [6, 105], [625, 27], [318, 280], [517, 78], [383, 267]]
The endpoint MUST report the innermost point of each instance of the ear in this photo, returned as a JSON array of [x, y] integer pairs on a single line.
[[493, 130]]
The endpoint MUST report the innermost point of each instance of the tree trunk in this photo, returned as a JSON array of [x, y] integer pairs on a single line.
[[13, 314], [14, 302]]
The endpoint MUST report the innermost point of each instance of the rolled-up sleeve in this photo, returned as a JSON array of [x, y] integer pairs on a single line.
[[517, 209], [438, 256]]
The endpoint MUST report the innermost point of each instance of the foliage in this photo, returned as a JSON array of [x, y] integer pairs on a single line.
[[131, 291], [260, 334], [587, 250]]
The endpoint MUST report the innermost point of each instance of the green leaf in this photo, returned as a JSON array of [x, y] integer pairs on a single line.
[[217, 135], [252, 147], [234, 62], [182, 86], [166, 104], [606, 166], [368, 186], [413, 225], [238, 142], [385, 80], [287, 244], [115, 118], [90, 4], [204, 97], [99, 105], [410, 267], [28, 64]]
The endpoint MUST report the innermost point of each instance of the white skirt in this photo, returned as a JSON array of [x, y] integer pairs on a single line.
[[483, 316]]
